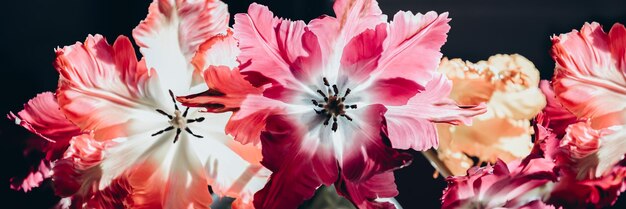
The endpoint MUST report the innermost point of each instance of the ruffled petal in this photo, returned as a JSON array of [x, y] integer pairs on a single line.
[[558, 118], [219, 50], [77, 176], [227, 90], [104, 89], [296, 174], [368, 194], [602, 192], [509, 139], [270, 44], [417, 117], [52, 133], [519, 185], [363, 150], [160, 174], [360, 55], [33, 178], [42, 116], [172, 33], [412, 49], [465, 76], [232, 169], [593, 152], [587, 76]]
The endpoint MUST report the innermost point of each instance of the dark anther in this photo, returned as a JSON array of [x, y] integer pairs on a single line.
[[164, 113], [177, 121], [322, 93], [200, 119], [189, 131], [333, 105], [173, 99], [169, 128], [327, 120], [185, 113], [177, 135]]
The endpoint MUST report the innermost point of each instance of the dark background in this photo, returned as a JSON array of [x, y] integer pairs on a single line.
[[30, 30]]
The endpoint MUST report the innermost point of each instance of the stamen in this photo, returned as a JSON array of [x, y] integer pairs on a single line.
[[169, 128], [173, 99], [164, 113], [200, 119], [185, 113], [177, 135], [189, 131], [322, 93], [334, 104]]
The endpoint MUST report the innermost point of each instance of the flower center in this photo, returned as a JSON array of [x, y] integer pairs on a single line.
[[178, 121], [333, 105]]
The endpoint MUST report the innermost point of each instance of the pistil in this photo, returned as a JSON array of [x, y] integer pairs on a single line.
[[333, 105], [178, 121]]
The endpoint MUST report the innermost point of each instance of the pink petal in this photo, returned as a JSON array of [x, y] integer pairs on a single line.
[[591, 193], [296, 174], [349, 10], [42, 116], [617, 39], [271, 44], [393, 91], [416, 118], [412, 48], [360, 56], [219, 50], [518, 185], [587, 76], [365, 153], [227, 90], [101, 87], [353, 17], [33, 179], [171, 34], [77, 175], [365, 194], [594, 152], [558, 118]]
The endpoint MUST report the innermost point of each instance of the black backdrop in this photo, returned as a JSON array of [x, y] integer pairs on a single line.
[[480, 28]]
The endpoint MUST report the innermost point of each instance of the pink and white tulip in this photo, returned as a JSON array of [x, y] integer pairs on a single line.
[[165, 153], [331, 101]]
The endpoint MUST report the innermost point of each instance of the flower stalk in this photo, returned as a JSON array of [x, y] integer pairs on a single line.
[[431, 156]]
